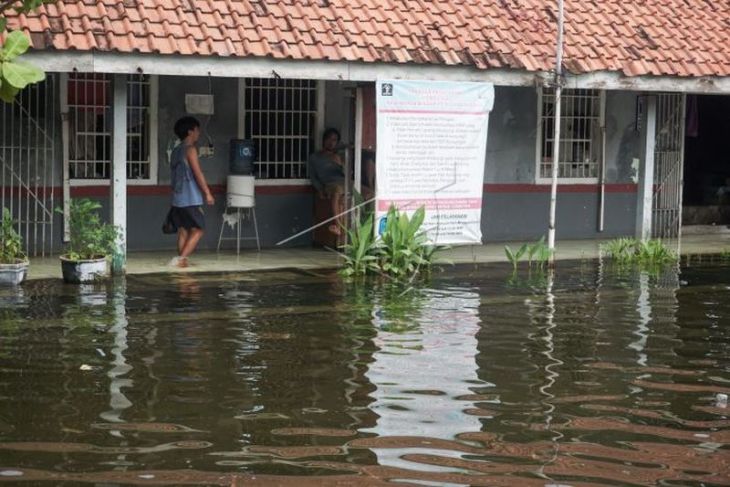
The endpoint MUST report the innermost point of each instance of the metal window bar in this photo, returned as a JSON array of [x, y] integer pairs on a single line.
[[27, 156], [669, 159], [579, 122], [90, 113], [279, 118]]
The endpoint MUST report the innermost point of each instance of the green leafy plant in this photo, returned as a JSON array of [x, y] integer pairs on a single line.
[[654, 252], [402, 251], [537, 253], [361, 252], [11, 244], [630, 251], [16, 75], [404, 246], [515, 256], [621, 250], [90, 237]]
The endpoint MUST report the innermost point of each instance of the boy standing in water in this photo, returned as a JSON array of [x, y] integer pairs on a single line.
[[189, 190]]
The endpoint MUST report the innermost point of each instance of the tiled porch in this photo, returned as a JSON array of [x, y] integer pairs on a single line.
[[308, 258]]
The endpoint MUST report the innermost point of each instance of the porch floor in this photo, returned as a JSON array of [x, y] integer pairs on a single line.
[[309, 258]]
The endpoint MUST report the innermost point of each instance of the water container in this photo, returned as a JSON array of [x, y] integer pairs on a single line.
[[240, 191], [243, 155]]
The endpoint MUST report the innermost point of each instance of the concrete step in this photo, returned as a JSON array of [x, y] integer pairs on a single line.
[[705, 229]]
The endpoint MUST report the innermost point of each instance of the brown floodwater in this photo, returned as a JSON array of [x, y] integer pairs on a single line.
[[593, 376]]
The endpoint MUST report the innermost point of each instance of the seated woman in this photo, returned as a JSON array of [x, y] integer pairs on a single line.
[[328, 177]]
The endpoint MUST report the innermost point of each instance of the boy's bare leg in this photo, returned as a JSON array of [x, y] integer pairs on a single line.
[[194, 236], [182, 237]]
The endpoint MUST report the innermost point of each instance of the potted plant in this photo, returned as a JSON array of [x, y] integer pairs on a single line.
[[92, 243], [13, 262]]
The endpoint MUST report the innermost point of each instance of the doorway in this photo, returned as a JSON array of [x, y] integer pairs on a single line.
[[706, 193]]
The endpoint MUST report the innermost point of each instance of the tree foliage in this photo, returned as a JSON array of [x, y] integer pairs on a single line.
[[14, 74]]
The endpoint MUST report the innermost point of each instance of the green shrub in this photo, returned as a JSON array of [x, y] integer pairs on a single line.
[[361, 252], [402, 251], [90, 237], [622, 250], [404, 246], [11, 244], [630, 251]]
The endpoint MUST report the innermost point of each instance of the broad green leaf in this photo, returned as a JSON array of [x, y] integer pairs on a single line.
[[509, 253], [16, 43], [20, 75], [417, 220], [8, 92], [521, 251]]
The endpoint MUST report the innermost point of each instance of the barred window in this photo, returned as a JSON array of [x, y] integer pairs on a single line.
[[90, 126], [580, 120], [280, 116]]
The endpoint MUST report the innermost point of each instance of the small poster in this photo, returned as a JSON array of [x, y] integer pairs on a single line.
[[432, 144]]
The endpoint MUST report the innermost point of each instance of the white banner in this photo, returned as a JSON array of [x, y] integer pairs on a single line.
[[432, 143]]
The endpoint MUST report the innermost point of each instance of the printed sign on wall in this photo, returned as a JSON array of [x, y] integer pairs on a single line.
[[432, 144]]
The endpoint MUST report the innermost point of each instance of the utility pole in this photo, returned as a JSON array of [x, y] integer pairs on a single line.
[[558, 84]]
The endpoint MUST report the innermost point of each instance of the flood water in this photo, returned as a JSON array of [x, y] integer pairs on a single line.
[[595, 377]]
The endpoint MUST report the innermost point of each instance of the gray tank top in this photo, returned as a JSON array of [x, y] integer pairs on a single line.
[[185, 189]]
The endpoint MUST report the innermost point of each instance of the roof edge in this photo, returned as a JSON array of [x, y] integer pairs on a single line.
[[261, 67]]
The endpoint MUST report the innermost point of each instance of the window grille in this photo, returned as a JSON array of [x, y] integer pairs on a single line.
[[90, 126], [580, 121], [280, 117]]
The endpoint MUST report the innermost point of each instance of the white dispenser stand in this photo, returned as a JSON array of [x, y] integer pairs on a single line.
[[241, 198]]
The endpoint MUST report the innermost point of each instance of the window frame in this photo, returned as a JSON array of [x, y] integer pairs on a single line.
[[153, 180], [595, 139], [317, 128]]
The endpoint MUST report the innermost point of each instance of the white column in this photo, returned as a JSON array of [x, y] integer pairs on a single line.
[[646, 173], [119, 171]]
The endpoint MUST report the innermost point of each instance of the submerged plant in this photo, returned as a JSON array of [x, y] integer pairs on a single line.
[[402, 251], [361, 252], [90, 237], [621, 250], [654, 252], [404, 246], [628, 251], [515, 256], [538, 253], [11, 243]]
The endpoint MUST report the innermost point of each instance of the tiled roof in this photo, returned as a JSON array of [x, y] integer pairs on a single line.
[[635, 37]]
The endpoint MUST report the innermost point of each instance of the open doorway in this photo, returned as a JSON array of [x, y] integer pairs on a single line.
[[706, 194]]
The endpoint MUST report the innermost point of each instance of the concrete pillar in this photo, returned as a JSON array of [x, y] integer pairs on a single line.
[[646, 172], [119, 171]]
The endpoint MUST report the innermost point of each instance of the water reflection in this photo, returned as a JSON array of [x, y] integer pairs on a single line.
[[423, 366]]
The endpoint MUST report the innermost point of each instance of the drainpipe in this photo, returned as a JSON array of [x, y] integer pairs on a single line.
[[556, 134], [602, 208]]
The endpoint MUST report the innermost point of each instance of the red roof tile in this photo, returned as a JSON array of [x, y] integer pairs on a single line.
[[660, 37]]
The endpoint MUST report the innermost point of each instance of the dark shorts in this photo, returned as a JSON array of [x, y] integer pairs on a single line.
[[187, 217]]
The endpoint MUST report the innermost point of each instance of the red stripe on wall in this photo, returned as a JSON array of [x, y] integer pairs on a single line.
[[562, 188], [220, 189]]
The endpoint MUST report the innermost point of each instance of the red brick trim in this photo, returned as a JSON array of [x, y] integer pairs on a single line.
[[562, 188]]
